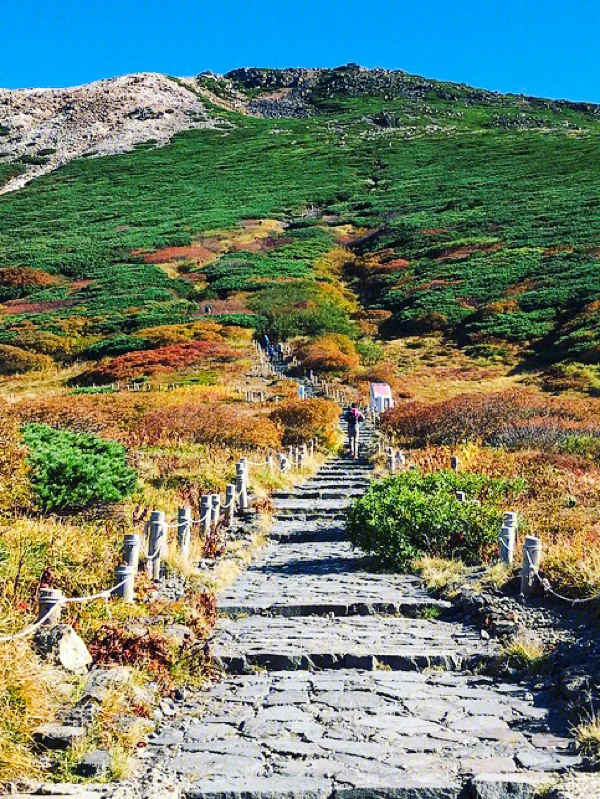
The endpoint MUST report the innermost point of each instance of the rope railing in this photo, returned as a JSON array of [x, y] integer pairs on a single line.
[[56, 605]]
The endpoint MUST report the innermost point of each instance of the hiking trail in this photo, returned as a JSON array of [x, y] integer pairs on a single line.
[[341, 681]]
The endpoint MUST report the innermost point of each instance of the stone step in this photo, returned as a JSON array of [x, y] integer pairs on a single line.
[[362, 642], [295, 504], [325, 575], [359, 735], [333, 492], [409, 608], [333, 515]]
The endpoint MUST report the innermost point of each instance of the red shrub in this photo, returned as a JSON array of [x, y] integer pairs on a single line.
[[173, 358]]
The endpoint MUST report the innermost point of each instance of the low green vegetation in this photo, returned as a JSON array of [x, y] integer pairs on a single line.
[[407, 516], [71, 471]]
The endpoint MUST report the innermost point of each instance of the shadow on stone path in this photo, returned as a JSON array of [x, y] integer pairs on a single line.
[[342, 682]]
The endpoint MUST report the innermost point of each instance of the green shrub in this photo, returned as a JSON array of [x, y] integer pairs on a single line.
[[71, 471], [117, 345], [255, 321], [410, 515]]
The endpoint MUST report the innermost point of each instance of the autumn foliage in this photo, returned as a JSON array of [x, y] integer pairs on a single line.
[[515, 418], [332, 353], [301, 420], [173, 358], [14, 361]]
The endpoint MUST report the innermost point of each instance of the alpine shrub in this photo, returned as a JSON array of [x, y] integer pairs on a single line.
[[71, 471], [413, 514]]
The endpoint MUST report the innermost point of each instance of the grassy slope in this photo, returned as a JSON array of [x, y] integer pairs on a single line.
[[433, 165]]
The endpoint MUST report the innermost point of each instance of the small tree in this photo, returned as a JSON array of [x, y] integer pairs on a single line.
[[71, 471]]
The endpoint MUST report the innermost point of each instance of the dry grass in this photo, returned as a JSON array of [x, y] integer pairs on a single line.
[[587, 735], [438, 574], [25, 703], [525, 652]]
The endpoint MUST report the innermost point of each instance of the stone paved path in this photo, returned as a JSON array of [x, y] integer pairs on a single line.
[[342, 682]]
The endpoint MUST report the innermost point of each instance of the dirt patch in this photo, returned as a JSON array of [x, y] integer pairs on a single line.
[[459, 253], [195, 252], [434, 231], [260, 245], [19, 307]]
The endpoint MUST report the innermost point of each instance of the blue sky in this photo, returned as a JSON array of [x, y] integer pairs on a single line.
[[545, 48]]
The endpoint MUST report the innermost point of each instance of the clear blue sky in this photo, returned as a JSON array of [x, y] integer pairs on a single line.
[[547, 48]]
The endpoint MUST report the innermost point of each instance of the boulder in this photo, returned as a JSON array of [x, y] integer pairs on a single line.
[[510, 786], [58, 736], [101, 681], [63, 647], [94, 764]]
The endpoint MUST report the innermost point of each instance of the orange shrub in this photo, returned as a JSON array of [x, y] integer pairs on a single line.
[[302, 420], [14, 361], [166, 335], [174, 358], [14, 473], [20, 276], [227, 425], [516, 418], [332, 353]]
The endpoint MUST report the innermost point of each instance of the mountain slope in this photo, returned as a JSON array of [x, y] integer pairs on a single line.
[[466, 213], [41, 129]]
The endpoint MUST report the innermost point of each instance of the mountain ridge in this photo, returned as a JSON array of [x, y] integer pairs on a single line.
[[43, 129]]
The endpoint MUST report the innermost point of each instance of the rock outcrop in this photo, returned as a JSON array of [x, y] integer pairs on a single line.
[[42, 129]]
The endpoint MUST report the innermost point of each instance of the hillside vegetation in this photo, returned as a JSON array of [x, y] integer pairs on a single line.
[[441, 238]]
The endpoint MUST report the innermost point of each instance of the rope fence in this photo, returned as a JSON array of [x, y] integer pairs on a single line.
[[152, 544]]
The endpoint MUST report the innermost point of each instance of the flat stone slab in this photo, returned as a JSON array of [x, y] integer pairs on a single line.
[[349, 731], [320, 578], [359, 642]]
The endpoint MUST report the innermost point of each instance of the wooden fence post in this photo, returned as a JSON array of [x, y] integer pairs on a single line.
[[229, 509], [50, 602], [124, 579], [131, 550], [532, 556], [391, 460], [241, 484], [205, 514], [156, 545], [216, 508], [506, 543], [184, 531], [454, 463]]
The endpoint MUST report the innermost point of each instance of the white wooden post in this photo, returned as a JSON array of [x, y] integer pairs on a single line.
[[184, 531], [271, 464], [460, 496], [312, 448], [50, 602], [124, 579], [532, 556], [507, 545], [131, 550], [229, 508]]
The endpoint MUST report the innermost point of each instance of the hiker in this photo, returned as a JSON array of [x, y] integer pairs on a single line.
[[280, 352], [354, 418]]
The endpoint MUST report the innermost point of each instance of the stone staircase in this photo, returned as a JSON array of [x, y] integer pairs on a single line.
[[346, 682]]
